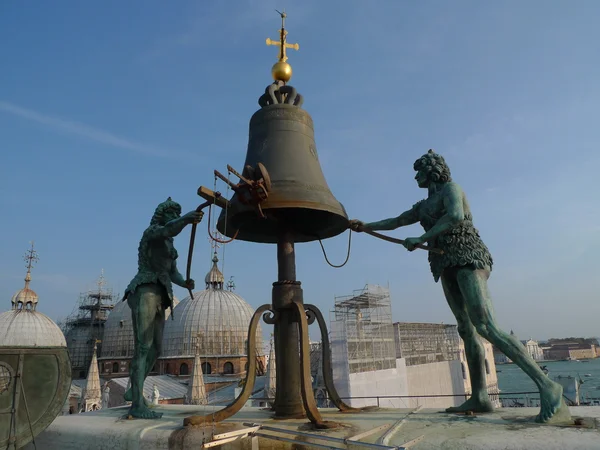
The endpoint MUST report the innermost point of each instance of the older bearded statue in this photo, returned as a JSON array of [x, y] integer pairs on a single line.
[[464, 268], [150, 293]]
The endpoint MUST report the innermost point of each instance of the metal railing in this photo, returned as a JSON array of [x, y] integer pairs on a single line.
[[508, 399]]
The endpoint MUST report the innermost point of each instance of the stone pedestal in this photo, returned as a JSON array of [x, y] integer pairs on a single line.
[[505, 429]]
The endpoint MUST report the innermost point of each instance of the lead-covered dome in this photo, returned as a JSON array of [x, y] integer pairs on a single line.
[[29, 328], [117, 341], [23, 326], [216, 319]]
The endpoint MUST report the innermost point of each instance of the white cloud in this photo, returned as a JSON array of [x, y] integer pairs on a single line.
[[79, 129]]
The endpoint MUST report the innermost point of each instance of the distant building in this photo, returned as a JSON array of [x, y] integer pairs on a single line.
[[84, 328], [533, 349], [215, 319], [421, 361], [499, 357], [571, 351]]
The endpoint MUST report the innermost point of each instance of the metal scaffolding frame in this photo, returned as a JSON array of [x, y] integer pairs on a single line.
[[85, 326], [424, 343], [361, 327]]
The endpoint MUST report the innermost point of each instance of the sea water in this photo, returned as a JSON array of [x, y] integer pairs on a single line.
[[512, 379]]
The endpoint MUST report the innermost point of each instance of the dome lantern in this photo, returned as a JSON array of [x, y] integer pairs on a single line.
[[26, 298], [214, 278]]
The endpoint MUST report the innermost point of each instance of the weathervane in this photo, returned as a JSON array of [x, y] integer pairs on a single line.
[[281, 70], [230, 284], [31, 257], [214, 240]]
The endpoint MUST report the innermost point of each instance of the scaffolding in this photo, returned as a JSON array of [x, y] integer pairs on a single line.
[[85, 326], [362, 330], [424, 343]]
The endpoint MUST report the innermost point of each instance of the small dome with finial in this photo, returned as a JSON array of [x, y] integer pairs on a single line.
[[26, 298], [214, 278], [23, 326]]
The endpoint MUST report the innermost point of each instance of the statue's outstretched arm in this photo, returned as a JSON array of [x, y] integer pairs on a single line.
[[176, 277], [453, 203], [173, 227], [406, 218]]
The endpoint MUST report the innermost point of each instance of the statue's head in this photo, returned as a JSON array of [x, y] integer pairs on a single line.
[[431, 168], [165, 212]]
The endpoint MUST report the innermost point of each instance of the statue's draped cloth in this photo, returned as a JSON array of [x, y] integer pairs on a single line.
[[462, 244]]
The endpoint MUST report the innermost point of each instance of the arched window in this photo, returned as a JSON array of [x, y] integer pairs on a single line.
[[115, 367], [228, 368], [464, 372], [206, 368], [183, 369], [168, 368], [487, 367]]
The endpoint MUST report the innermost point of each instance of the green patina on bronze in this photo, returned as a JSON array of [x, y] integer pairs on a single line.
[[150, 293], [464, 268]]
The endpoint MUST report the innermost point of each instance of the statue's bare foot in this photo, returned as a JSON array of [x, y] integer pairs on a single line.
[[128, 397], [551, 403], [475, 404], [143, 412]]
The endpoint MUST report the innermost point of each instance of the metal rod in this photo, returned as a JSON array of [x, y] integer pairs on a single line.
[[294, 441], [252, 429], [326, 438], [288, 397], [221, 442], [224, 178], [286, 257], [235, 172], [401, 241], [359, 436]]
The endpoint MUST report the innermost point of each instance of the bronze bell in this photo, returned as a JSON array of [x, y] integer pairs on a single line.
[[282, 139]]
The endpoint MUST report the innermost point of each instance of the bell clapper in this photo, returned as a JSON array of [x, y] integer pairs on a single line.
[[250, 191]]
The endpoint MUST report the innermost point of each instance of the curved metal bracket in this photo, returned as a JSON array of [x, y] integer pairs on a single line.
[[308, 398], [327, 368], [271, 317], [310, 316], [239, 402]]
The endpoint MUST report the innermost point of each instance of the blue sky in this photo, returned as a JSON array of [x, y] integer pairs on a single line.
[[107, 109]]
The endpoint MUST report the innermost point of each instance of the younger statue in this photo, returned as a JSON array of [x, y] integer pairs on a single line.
[[150, 293], [464, 268]]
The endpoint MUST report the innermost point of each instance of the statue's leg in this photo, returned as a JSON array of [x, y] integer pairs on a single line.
[[473, 285], [155, 350], [159, 325], [474, 351], [143, 312]]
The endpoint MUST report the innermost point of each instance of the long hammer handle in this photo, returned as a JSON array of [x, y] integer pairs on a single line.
[[188, 273], [401, 241]]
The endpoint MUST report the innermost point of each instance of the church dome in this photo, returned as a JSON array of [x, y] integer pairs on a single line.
[[216, 319], [29, 328], [23, 326], [117, 341]]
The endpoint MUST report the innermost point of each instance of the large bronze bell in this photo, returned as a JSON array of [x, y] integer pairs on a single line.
[[282, 139]]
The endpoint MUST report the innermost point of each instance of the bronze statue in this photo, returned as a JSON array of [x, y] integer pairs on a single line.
[[150, 293], [464, 266]]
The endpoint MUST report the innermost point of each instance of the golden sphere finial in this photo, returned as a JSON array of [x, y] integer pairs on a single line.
[[281, 71]]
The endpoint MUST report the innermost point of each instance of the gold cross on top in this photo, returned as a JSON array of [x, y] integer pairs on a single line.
[[283, 45]]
